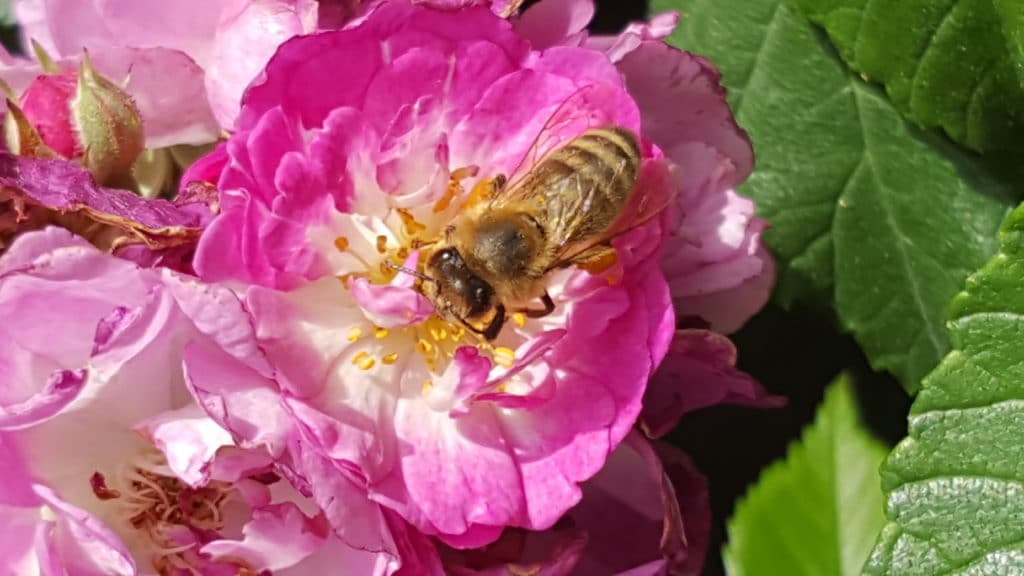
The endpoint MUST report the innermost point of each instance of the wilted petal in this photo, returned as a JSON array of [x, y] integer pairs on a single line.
[[107, 216]]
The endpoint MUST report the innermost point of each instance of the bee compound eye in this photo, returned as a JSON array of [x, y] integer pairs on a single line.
[[480, 293]]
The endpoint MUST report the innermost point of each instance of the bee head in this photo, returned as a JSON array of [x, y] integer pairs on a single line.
[[466, 294]]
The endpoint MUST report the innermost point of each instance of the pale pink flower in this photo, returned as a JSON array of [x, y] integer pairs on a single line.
[[346, 147], [165, 85], [222, 44], [109, 465]]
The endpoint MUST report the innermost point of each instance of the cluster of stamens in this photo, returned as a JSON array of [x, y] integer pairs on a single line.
[[436, 339], [159, 505]]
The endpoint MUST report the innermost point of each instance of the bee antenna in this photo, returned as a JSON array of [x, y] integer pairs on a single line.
[[409, 271]]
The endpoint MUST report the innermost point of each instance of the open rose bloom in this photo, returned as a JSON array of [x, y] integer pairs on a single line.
[[110, 466], [297, 405]]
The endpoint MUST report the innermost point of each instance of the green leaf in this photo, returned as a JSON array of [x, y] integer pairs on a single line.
[[6, 14], [816, 512], [955, 486], [868, 214], [954, 64]]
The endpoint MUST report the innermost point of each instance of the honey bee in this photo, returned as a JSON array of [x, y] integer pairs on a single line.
[[494, 257]]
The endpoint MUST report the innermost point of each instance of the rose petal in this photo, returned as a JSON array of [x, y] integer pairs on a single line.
[[699, 371], [555, 22]]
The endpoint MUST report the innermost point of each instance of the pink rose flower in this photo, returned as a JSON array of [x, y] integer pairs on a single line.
[[225, 43], [109, 465], [645, 513], [352, 143], [718, 268]]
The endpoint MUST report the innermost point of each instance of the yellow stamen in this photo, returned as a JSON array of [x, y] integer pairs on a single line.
[[427, 385], [382, 244], [483, 190], [341, 243], [355, 334], [424, 347], [501, 388], [390, 358], [360, 357], [412, 227], [445, 201], [380, 332], [367, 363], [460, 174], [504, 356], [519, 318]]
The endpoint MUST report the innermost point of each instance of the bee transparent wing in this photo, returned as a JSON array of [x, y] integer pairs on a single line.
[[652, 194], [577, 114]]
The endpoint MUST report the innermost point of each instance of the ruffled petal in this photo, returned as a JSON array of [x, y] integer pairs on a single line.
[[555, 22], [699, 371], [167, 86]]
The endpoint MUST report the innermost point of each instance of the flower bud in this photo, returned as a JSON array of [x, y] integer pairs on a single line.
[[44, 105], [108, 125]]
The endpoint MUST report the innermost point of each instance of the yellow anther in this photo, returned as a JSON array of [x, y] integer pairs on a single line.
[[424, 347], [504, 356], [355, 334], [427, 385], [390, 358], [382, 243], [484, 189], [446, 200], [501, 388], [367, 363], [519, 318], [460, 174], [380, 332], [412, 227], [360, 357], [341, 243]]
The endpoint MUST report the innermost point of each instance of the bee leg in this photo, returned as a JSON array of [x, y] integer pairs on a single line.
[[549, 307]]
